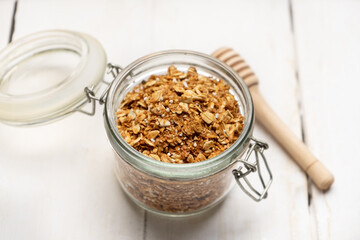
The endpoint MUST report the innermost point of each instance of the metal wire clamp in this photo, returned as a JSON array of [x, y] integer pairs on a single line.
[[112, 69], [247, 167]]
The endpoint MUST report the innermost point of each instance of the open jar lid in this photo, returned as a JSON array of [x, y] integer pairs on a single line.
[[43, 75]]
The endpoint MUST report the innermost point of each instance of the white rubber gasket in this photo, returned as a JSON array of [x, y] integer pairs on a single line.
[[64, 98]]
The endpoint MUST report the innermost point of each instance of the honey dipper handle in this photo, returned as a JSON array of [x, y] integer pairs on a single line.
[[319, 174]]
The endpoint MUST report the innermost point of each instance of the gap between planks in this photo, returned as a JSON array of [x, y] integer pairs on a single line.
[[144, 226], [299, 92], [13, 22]]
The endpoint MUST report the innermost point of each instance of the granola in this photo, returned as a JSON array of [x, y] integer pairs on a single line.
[[174, 196], [181, 117]]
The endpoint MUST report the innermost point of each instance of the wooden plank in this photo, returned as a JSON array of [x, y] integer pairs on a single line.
[[64, 170], [328, 36], [6, 12], [263, 37], [57, 181]]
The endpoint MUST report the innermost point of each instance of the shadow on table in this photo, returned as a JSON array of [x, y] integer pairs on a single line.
[[193, 227]]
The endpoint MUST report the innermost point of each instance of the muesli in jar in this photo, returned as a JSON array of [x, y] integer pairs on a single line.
[[181, 117]]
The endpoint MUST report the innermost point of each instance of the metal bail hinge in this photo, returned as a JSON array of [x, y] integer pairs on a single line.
[[241, 176], [112, 69]]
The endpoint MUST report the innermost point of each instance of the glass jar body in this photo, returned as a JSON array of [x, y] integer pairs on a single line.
[[173, 197], [167, 188]]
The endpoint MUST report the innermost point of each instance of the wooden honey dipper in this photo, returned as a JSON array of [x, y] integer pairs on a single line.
[[319, 174]]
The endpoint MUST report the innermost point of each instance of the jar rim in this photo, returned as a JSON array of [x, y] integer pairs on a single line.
[[242, 140]]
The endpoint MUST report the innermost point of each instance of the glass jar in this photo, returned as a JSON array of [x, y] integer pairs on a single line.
[[167, 188], [164, 188]]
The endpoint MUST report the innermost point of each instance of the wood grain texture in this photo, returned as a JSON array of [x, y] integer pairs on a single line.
[[328, 36]]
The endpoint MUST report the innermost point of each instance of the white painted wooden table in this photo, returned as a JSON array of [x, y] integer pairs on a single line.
[[57, 181]]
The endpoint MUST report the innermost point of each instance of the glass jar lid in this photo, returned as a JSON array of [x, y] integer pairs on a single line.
[[43, 75]]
